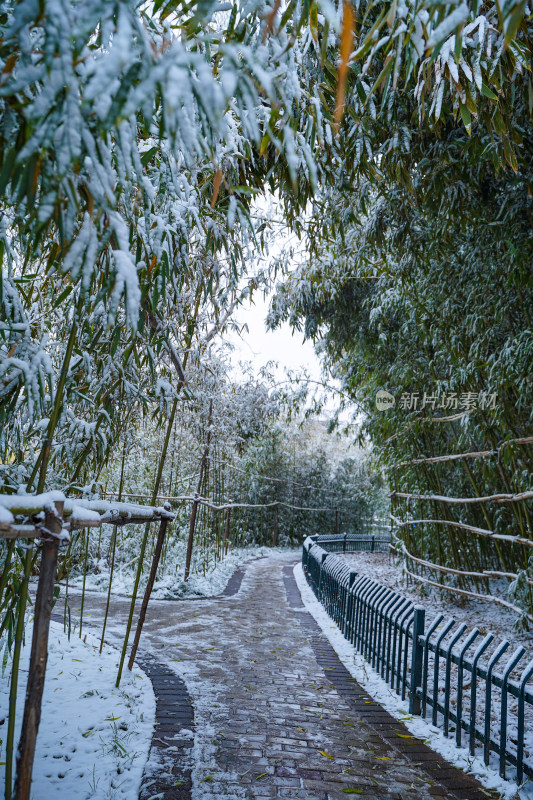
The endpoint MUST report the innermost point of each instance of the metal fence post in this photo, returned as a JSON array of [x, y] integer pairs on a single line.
[[416, 659], [373, 542], [322, 559], [348, 606], [344, 542]]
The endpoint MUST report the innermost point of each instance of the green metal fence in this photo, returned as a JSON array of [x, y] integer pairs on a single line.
[[434, 666]]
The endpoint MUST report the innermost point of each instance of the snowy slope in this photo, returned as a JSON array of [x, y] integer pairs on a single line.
[[93, 739]]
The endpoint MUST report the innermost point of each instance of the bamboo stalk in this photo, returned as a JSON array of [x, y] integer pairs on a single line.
[[99, 544], [66, 594], [41, 464], [111, 571], [226, 532], [113, 548], [85, 559], [188, 341], [19, 634], [148, 590], [145, 540], [194, 510], [6, 571]]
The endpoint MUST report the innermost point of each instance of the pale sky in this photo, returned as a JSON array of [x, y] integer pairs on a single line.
[[260, 346]]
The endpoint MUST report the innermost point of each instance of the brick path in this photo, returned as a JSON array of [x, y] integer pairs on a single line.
[[276, 715]]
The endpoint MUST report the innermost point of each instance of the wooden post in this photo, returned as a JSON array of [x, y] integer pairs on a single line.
[[194, 510], [148, 590], [226, 531], [275, 532], [39, 653]]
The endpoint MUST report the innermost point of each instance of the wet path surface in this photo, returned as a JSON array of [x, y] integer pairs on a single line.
[[254, 703]]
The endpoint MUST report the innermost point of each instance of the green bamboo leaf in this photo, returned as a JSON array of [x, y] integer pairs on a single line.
[[62, 297], [147, 157], [389, 63], [324, 44], [458, 44], [488, 92], [514, 20], [499, 124], [466, 117], [7, 168], [313, 21]]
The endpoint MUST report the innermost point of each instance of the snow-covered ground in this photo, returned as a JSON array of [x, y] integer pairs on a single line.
[[487, 617], [383, 694], [93, 739], [168, 586]]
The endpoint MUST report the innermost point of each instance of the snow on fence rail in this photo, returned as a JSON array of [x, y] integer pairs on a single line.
[[76, 513], [50, 517], [354, 542], [478, 695]]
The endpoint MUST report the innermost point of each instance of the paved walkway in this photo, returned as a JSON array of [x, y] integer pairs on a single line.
[[275, 712]]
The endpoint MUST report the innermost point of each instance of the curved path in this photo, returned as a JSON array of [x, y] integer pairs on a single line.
[[276, 714]]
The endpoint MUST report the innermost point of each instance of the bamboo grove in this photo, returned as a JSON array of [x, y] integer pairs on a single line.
[[268, 491], [394, 138], [419, 283]]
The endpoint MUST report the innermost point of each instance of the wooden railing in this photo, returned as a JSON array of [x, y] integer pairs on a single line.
[[48, 519]]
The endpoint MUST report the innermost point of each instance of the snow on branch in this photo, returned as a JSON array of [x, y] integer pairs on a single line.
[[440, 459], [458, 456], [496, 498], [450, 571], [479, 531], [274, 504], [419, 419], [487, 597], [189, 498]]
